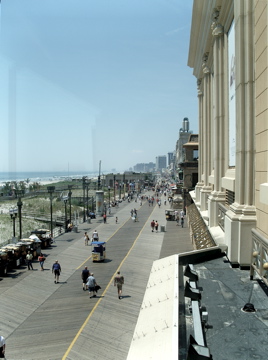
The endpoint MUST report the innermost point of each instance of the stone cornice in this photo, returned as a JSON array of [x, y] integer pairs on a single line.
[[216, 27]]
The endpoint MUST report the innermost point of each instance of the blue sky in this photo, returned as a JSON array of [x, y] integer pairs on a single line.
[[86, 80]]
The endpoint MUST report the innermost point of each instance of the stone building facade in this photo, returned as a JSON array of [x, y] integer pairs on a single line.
[[228, 54]]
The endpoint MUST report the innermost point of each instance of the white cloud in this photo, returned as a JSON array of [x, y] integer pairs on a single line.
[[175, 31]]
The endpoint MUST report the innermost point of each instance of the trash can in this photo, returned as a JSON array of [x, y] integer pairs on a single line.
[[162, 228], [75, 229], [89, 220]]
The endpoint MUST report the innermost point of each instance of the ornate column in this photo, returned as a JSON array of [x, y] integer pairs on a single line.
[[241, 217], [217, 194], [200, 183], [206, 135]]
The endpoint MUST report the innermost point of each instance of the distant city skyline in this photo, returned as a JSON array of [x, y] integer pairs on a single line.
[[89, 80]]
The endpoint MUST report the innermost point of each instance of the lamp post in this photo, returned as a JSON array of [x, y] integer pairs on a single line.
[[19, 194], [13, 214], [114, 188], [50, 190], [92, 203], [105, 207], [70, 202], [124, 186], [87, 184], [119, 191], [65, 199], [84, 189], [109, 190]]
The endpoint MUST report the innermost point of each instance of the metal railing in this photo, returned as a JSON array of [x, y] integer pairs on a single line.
[[58, 223]]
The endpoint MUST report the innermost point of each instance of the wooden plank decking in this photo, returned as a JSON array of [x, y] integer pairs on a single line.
[[47, 321]]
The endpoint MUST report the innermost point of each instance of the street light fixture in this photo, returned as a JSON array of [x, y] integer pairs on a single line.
[[50, 190], [109, 189], [84, 188], [70, 203], [87, 186], [92, 204], [65, 199], [19, 194], [114, 188], [13, 214]]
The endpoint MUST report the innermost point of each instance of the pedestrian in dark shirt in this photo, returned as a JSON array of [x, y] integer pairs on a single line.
[[152, 225], [84, 276], [56, 269]]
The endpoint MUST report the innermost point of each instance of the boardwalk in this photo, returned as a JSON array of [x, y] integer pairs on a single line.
[[44, 320]]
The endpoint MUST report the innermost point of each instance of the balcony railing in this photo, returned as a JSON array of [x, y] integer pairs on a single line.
[[259, 259], [221, 216]]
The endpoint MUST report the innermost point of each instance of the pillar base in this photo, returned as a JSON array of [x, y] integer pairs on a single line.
[[204, 194], [216, 198], [239, 221]]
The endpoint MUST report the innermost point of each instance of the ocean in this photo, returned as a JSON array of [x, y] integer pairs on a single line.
[[39, 176]]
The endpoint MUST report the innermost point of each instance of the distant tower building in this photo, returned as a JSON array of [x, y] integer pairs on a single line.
[[161, 163], [185, 125], [170, 158], [183, 139]]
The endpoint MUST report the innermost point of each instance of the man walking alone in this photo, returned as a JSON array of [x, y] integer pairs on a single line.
[[29, 259], [119, 281], [56, 269]]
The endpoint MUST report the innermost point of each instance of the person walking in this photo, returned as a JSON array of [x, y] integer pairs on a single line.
[[2, 347], [104, 218], [156, 226], [91, 283], [56, 269], [152, 225], [29, 260], [86, 238], [182, 217], [119, 281], [116, 220], [41, 260], [95, 236], [84, 275]]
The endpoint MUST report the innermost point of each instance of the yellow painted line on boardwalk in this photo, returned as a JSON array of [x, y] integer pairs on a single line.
[[83, 263], [104, 292]]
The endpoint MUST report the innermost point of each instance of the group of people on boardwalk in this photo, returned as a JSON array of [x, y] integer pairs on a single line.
[[154, 225], [89, 283], [179, 217], [95, 237], [134, 215]]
